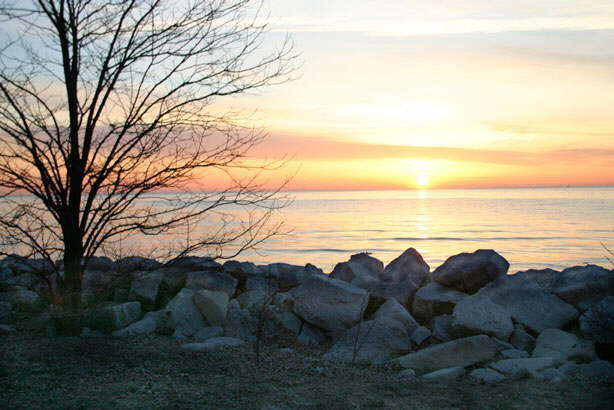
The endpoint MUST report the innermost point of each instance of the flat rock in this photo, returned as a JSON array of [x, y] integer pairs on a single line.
[[597, 323], [477, 314], [185, 315], [445, 375], [461, 352], [215, 343], [468, 272], [213, 305], [597, 368], [563, 346], [529, 304], [330, 304], [486, 375], [522, 367], [433, 300], [208, 333], [212, 280]]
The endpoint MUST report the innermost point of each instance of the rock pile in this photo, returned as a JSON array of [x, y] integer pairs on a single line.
[[468, 317]]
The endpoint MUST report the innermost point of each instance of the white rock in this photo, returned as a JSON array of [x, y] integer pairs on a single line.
[[522, 367], [563, 346], [477, 314], [145, 326], [185, 315], [114, 317]]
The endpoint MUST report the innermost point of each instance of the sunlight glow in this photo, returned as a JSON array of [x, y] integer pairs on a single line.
[[422, 181]]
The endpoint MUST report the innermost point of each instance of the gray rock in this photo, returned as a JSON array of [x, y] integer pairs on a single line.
[[360, 268], [461, 352], [522, 367], [283, 301], [502, 345], [445, 375], [241, 268], [23, 300], [99, 263], [145, 289], [468, 272], [87, 332], [173, 280], [373, 342], [292, 275], [522, 340], [194, 263], [597, 323], [477, 314], [393, 310], [529, 304], [441, 328], [330, 304], [212, 305], [543, 277], [434, 300], [583, 286], [514, 354], [258, 283], [208, 333], [215, 343], [114, 317], [240, 323], [420, 335], [310, 335], [137, 263], [280, 322], [486, 375], [409, 266], [563, 346], [147, 325], [185, 315], [254, 300], [212, 280]]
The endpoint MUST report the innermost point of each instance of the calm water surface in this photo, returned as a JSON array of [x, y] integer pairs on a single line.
[[531, 228]]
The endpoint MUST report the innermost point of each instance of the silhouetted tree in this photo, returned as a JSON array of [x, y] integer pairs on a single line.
[[106, 111]]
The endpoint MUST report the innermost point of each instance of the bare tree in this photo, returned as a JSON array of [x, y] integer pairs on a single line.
[[106, 115]]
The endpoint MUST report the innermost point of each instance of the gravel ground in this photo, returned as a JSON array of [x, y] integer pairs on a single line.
[[155, 373]]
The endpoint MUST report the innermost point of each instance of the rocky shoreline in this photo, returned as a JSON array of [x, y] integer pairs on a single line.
[[468, 318]]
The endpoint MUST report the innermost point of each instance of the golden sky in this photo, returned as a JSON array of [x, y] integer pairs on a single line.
[[446, 94]]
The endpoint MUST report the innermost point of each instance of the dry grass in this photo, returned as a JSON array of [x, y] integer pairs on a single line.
[[153, 372]]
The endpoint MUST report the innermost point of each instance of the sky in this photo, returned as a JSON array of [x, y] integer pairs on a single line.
[[395, 94]]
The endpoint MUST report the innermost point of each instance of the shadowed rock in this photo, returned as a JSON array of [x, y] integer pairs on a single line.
[[583, 286], [433, 300], [468, 272], [477, 314], [597, 323]]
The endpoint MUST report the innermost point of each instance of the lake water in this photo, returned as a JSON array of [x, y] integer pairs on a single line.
[[532, 228]]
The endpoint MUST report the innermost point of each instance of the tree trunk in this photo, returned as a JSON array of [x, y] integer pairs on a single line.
[[70, 323]]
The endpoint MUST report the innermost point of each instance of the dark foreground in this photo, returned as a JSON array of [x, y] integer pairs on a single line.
[[153, 372]]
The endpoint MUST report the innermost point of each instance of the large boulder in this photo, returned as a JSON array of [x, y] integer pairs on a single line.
[[583, 286], [461, 352], [529, 304], [212, 305], [289, 276], [409, 266], [374, 341], [434, 300], [145, 289], [441, 328], [330, 304], [393, 310], [137, 263], [184, 314], [468, 272], [23, 300], [114, 317], [5, 312], [563, 346], [543, 277], [597, 323], [399, 280], [477, 314], [212, 280]]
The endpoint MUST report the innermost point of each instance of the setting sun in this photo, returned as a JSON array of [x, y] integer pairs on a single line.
[[422, 181]]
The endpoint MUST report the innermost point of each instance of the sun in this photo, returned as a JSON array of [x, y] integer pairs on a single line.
[[422, 181]]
